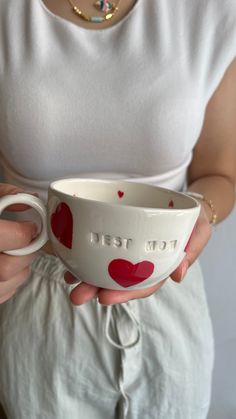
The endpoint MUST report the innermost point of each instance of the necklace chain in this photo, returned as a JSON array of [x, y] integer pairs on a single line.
[[95, 19]]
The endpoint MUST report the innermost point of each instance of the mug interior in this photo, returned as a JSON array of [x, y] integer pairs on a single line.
[[124, 193]]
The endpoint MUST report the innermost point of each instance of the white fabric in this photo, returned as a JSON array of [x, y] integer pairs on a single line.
[[125, 101], [56, 362]]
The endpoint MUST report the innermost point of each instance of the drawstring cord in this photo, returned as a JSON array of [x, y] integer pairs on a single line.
[[131, 344], [122, 390], [107, 327]]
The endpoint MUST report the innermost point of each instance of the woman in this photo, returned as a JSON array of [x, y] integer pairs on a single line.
[[147, 94]]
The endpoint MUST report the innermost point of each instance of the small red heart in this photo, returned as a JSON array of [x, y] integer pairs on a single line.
[[120, 194], [171, 204], [62, 224], [127, 274]]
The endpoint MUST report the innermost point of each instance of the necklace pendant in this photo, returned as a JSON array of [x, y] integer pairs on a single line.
[[103, 6], [96, 19]]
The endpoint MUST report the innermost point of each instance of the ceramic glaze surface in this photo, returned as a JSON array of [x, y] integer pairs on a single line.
[[110, 234], [116, 244]]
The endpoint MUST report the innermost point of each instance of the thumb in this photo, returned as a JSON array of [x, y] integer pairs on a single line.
[[7, 189], [180, 271]]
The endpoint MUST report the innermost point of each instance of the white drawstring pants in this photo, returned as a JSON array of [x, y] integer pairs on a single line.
[[59, 361]]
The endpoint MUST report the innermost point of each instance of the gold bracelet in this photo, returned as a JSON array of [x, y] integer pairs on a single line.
[[209, 202]]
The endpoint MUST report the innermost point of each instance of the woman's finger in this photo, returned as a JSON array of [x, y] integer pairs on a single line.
[[180, 271], [6, 297], [7, 189], [71, 279], [6, 287], [108, 297], [83, 293], [10, 266], [16, 234], [199, 238]]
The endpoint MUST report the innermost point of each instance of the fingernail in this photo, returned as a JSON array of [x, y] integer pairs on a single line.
[[70, 279], [32, 193], [105, 304], [17, 191], [184, 271]]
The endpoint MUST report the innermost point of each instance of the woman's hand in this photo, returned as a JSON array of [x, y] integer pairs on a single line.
[[14, 270], [199, 238]]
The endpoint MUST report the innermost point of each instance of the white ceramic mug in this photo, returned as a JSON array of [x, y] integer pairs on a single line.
[[113, 234]]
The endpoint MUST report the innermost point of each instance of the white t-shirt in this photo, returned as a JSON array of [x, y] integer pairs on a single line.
[[127, 101]]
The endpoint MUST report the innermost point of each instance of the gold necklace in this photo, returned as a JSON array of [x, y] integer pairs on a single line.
[[96, 19]]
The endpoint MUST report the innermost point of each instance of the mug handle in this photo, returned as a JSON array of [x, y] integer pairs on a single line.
[[39, 206]]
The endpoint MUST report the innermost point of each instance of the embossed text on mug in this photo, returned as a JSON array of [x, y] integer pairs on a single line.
[[109, 240], [160, 245], [102, 239]]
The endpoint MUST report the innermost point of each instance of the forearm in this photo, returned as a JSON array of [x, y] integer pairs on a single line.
[[220, 190]]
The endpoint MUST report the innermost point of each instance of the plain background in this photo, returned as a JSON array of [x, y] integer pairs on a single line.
[[219, 265]]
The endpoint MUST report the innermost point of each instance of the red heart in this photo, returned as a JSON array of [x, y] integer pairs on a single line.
[[62, 224], [120, 193], [127, 274]]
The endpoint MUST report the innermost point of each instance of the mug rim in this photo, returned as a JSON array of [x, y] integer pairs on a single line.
[[53, 188]]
